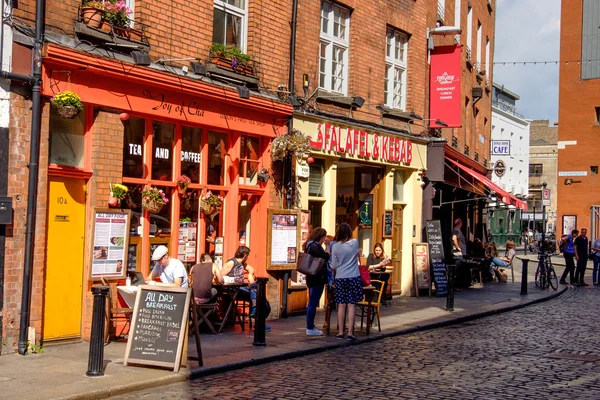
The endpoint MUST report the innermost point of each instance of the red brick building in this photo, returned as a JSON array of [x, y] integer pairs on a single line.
[[578, 115]]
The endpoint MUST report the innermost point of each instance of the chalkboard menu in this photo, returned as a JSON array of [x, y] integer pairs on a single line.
[[132, 258], [158, 326], [436, 256], [388, 223]]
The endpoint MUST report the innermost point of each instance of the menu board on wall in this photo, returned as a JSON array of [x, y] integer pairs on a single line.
[[422, 279], [388, 223], [158, 326], [283, 239], [437, 259], [299, 279], [186, 251], [132, 257], [110, 243]]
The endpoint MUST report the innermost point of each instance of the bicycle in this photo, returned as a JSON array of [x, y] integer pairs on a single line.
[[545, 275]]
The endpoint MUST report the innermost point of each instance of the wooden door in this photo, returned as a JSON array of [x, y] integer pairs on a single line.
[[366, 195], [397, 248], [64, 258]]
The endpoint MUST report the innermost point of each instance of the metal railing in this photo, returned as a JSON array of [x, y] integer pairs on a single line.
[[507, 108]]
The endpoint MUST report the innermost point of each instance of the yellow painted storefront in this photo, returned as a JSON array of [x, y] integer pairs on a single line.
[[357, 176]]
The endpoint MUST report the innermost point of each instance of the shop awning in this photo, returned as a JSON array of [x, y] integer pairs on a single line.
[[502, 194]]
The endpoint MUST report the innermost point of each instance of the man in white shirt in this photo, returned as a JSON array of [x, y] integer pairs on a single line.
[[171, 270]]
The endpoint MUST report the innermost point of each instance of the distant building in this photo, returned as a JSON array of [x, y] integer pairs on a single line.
[[543, 162], [509, 161], [578, 114]]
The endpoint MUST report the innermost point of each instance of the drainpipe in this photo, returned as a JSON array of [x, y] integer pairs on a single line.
[[287, 164], [34, 155]]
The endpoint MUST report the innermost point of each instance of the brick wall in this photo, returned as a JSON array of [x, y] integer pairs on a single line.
[[541, 129], [20, 132]]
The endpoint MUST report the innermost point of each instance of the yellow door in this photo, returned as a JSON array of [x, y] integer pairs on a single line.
[[64, 258], [397, 249]]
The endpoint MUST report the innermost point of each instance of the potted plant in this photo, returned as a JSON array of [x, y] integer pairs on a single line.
[[182, 183], [67, 103], [293, 143], [153, 199], [118, 192], [210, 203], [116, 13], [92, 13]]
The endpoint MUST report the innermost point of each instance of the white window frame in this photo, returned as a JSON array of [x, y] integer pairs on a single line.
[[238, 12], [330, 42], [470, 29], [394, 39], [487, 66], [478, 51]]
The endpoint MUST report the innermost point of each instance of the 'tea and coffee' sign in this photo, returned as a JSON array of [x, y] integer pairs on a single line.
[[332, 138]]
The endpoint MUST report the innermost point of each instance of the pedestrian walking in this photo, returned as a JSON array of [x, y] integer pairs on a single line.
[[581, 255], [459, 250], [314, 246], [596, 259], [348, 283], [567, 244]]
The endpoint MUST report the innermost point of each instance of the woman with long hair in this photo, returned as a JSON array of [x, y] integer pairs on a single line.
[[348, 284], [314, 246], [377, 260]]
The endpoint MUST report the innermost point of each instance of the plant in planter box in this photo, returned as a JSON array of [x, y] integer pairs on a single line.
[[92, 13], [67, 103], [117, 13], [230, 57]]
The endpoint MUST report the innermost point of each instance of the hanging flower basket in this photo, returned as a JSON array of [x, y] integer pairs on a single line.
[[211, 204], [182, 184], [67, 104], [153, 199], [113, 201], [293, 143], [152, 205]]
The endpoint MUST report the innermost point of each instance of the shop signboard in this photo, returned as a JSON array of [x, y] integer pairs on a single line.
[[501, 147], [110, 243], [365, 213], [283, 238], [445, 83], [388, 223], [437, 259], [422, 279], [569, 222], [158, 327]]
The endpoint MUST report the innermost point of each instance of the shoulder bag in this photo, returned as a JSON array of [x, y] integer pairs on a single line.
[[309, 265]]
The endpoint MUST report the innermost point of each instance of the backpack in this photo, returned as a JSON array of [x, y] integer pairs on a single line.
[[563, 245]]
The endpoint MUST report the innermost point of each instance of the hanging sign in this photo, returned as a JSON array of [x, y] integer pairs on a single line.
[[499, 168], [501, 147], [110, 243], [445, 83]]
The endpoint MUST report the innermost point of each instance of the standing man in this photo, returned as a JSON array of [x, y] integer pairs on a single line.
[[567, 244], [459, 250], [171, 270], [581, 255]]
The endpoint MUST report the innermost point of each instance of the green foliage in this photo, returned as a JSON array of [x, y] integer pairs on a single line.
[[234, 54]]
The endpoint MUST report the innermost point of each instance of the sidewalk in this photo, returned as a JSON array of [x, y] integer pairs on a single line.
[[59, 372]]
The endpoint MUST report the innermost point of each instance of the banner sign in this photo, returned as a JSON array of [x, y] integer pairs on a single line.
[[501, 147], [445, 98]]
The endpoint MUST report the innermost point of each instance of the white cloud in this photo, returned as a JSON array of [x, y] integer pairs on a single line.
[[529, 30]]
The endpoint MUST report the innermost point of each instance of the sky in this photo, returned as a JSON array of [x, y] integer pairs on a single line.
[[529, 30]]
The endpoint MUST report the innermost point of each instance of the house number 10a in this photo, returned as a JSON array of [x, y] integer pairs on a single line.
[[61, 200]]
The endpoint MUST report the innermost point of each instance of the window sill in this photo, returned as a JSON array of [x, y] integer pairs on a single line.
[[69, 172]]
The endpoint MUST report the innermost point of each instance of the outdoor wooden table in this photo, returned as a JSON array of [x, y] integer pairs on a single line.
[[368, 292], [231, 290]]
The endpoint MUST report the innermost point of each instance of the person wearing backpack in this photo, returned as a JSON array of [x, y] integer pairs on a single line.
[[569, 255]]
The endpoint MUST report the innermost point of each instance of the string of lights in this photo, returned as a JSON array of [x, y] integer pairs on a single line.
[[546, 62]]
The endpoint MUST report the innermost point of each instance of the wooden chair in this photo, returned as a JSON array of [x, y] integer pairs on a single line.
[[204, 310], [375, 304], [512, 269], [115, 314]]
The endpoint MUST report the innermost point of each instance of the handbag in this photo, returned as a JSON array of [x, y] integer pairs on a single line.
[[591, 256], [309, 265], [364, 274]]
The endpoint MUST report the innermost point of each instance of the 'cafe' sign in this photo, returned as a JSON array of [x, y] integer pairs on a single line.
[[359, 143]]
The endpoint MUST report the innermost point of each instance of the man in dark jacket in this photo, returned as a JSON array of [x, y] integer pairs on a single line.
[[581, 255]]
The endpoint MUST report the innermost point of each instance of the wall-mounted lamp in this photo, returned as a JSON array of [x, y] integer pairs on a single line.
[[440, 30], [198, 68], [263, 176], [124, 116], [294, 101], [358, 101], [305, 83], [140, 58], [243, 92]]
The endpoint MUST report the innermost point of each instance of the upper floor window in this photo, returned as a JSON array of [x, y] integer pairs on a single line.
[[229, 23], [535, 169], [395, 69], [333, 57]]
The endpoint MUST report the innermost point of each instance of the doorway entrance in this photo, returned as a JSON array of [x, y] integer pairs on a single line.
[[64, 258]]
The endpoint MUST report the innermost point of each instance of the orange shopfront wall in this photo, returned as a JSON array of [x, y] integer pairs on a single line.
[[199, 111]]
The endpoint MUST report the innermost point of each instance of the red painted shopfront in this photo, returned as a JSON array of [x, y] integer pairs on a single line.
[[173, 126]]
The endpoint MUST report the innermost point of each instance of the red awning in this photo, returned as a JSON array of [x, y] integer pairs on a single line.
[[502, 194]]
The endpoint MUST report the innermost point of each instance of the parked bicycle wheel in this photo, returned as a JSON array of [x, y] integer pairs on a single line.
[[552, 279]]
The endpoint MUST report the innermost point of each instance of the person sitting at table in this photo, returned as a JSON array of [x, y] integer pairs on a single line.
[[170, 270], [203, 275], [504, 262], [234, 269], [377, 261]]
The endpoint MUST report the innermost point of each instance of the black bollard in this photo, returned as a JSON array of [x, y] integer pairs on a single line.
[[524, 277], [450, 293], [261, 312], [96, 356]]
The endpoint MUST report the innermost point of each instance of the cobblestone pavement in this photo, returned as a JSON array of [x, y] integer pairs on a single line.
[[538, 352]]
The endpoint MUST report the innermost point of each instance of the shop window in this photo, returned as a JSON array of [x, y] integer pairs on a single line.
[[316, 214], [133, 202], [398, 186], [211, 241], [188, 226], [249, 154], [229, 21], [163, 138], [67, 139], [217, 149], [246, 203], [133, 147], [191, 149], [160, 223], [315, 180]]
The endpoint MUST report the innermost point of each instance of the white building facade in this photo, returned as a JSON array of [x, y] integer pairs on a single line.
[[509, 155]]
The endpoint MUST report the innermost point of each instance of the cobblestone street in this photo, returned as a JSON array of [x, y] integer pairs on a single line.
[[535, 352]]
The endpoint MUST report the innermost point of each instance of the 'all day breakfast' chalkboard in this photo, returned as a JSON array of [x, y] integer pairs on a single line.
[[158, 325], [436, 257]]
